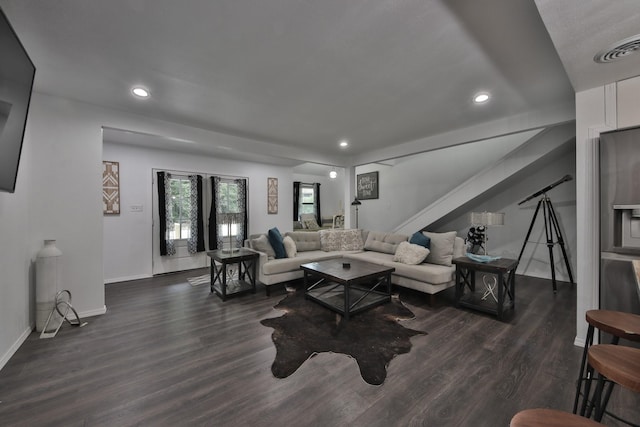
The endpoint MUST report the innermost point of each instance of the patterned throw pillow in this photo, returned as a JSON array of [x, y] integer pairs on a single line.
[[409, 253], [351, 240], [330, 240], [311, 224]]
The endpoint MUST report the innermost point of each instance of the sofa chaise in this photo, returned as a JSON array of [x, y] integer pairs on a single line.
[[432, 275]]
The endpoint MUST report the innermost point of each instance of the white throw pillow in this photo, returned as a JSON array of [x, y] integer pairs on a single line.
[[289, 247], [409, 253]]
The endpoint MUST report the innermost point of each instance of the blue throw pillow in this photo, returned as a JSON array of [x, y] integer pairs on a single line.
[[420, 239], [275, 239]]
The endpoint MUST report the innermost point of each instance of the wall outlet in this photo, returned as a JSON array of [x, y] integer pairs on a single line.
[[136, 208]]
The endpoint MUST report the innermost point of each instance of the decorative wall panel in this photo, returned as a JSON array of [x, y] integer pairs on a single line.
[[110, 188], [272, 195]]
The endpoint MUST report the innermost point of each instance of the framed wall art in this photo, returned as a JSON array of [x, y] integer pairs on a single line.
[[367, 186], [110, 188], [272, 195]]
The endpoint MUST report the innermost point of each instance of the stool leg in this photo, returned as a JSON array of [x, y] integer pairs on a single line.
[[587, 405], [597, 398], [581, 376]]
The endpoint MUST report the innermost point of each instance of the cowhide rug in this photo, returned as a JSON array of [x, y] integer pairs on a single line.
[[372, 337]]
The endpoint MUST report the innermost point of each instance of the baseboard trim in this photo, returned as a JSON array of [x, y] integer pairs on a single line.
[[16, 345], [91, 313], [127, 278]]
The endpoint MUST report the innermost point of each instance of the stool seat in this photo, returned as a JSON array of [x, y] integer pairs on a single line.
[[618, 363], [550, 418], [617, 323]]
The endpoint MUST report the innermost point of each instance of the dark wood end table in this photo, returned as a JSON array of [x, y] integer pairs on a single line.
[[505, 285], [246, 261], [347, 290]]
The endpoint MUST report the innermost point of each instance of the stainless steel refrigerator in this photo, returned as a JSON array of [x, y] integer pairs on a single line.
[[619, 220]]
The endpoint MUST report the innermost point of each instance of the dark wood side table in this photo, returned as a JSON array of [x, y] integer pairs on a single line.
[[246, 261], [505, 285]]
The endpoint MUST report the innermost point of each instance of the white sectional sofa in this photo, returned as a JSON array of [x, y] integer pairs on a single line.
[[433, 275]]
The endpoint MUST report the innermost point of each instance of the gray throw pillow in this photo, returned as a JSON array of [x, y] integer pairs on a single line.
[[262, 244], [441, 247]]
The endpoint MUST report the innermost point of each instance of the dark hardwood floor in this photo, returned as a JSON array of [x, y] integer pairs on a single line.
[[167, 353]]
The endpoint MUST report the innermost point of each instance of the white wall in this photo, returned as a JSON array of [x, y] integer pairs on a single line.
[[59, 196], [127, 237], [508, 240], [409, 184]]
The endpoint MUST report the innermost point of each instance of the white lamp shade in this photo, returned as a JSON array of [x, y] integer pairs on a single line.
[[487, 218]]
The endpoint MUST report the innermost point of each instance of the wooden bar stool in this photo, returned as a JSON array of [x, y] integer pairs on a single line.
[[618, 364], [550, 418], [617, 323]]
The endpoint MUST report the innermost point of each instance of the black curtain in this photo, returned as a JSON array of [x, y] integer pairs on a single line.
[[213, 217], [316, 195], [245, 232], [296, 200], [200, 216], [162, 203]]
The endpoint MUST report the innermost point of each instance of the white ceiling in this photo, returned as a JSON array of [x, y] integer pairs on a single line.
[[305, 74]]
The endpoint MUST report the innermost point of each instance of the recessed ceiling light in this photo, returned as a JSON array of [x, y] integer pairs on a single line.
[[333, 174], [344, 143], [481, 98], [140, 92]]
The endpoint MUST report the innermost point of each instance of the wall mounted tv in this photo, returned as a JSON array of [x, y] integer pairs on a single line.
[[16, 83]]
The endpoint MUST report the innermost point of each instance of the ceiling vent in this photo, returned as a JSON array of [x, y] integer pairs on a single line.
[[618, 50]]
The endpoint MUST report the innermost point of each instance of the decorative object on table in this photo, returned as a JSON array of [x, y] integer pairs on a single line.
[[372, 338], [486, 219], [229, 219], [481, 258], [110, 188], [475, 239], [356, 203], [338, 221], [551, 227], [272, 195], [367, 186]]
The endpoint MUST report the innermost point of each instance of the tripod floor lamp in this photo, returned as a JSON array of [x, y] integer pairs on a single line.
[[356, 203]]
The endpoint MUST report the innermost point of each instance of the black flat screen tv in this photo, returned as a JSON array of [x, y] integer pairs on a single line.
[[16, 83]]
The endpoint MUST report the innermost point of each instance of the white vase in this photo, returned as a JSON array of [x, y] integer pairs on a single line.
[[48, 279]]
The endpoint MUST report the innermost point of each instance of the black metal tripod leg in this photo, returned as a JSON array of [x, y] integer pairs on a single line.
[[526, 239], [556, 226], [549, 234]]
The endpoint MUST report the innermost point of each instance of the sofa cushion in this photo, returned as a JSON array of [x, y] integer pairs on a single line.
[[418, 238], [408, 253], [275, 238], [371, 256], [289, 246], [384, 242], [261, 244], [285, 265], [429, 273], [441, 247], [305, 240]]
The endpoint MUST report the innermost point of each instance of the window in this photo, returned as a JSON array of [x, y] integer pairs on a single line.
[[228, 203], [307, 199], [180, 208]]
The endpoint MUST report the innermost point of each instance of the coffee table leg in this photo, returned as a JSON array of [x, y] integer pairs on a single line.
[[347, 302]]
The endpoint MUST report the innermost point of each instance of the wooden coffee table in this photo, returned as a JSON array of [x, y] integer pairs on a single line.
[[344, 289]]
